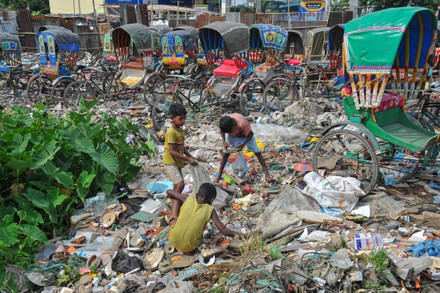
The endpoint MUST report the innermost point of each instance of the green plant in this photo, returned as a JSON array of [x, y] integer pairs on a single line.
[[48, 166], [379, 259]]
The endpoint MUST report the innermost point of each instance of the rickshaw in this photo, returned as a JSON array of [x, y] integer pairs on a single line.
[[266, 52], [179, 49], [12, 77], [10, 50], [225, 45], [158, 31], [335, 39], [59, 48], [133, 44], [380, 141], [316, 45]]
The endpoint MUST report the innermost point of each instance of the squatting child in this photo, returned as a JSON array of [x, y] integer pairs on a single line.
[[196, 211]]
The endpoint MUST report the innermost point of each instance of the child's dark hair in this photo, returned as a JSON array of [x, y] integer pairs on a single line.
[[177, 110], [226, 124], [207, 193]]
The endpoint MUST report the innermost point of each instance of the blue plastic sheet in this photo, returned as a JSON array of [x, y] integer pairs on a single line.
[[430, 247]]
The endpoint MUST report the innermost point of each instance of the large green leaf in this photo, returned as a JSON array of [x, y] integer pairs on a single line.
[[33, 232], [20, 143], [8, 233], [45, 153], [38, 198], [83, 183], [107, 158], [29, 215], [62, 177], [106, 181], [17, 164], [80, 142], [55, 196]]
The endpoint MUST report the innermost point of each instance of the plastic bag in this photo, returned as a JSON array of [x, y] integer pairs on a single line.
[[125, 263], [200, 176], [239, 166]]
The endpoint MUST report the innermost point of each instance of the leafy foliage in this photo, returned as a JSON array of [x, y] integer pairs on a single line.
[[48, 166], [39, 6], [340, 5], [384, 4]]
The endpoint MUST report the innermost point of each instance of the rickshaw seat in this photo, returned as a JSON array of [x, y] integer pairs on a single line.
[[395, 127], [135, 65], [227, 68]]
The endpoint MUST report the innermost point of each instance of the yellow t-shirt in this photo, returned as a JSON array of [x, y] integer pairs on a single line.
[[177, 137], [186, 235]]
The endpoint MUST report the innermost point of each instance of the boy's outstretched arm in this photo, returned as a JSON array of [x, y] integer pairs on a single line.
[[222, 228], [176, 154], [176, 195]]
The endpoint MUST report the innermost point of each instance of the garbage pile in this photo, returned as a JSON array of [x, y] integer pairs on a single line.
[[300, 233]]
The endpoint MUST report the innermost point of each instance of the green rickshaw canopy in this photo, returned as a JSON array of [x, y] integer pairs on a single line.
[[391, 38]]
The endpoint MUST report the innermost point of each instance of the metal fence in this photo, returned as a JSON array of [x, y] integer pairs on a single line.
[[297, 19]]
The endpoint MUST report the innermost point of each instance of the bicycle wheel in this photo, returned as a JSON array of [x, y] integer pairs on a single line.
[[154, 87], [159, 115], [58, 88], [38, 89], [76, 91], [347, 153], [195, 95], [109, 87], [279, 94], [396, 165], [251, 97]]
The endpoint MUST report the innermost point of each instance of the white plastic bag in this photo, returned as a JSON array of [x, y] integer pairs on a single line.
[[239, 166]]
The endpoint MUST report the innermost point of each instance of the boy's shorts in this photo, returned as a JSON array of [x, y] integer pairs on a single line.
[[174, 173], [251, 145]]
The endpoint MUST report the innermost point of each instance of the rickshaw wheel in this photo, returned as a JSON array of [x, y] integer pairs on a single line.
[[250, 103], [7, 88], [154, 87], [35, 89], [108, 86], [195, 95], [279, 94], [346, 153], [394, 168], [76, 91], [58, 89], [159, 116]]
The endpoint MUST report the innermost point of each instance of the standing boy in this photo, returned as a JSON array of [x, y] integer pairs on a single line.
[[175, 154], [239, 135]]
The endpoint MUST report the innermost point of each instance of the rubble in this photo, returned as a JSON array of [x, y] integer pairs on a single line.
[[301, 233]]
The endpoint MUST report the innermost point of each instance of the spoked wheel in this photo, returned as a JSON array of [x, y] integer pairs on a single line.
[[279, 94], [159, 114], [195, 95], [58, 90], [108, 86], [347, 153], [38, 89], [76, 91], [153, 89], [396, 165], [251, 97]]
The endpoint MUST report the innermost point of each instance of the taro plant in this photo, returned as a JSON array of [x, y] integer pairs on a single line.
[[49, 166]]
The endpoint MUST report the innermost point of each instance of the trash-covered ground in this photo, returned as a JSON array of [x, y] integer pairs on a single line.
[[301, 233]]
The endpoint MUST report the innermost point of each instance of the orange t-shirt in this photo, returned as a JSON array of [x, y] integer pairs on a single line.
[[242, 127]]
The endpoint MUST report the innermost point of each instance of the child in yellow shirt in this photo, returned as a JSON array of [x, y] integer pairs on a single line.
[[175, 154], [196, 211]]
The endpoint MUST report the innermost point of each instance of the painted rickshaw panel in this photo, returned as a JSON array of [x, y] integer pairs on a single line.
[[406, 37]]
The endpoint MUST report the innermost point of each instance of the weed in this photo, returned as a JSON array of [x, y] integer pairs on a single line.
[[251, 248], [379, 259]]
